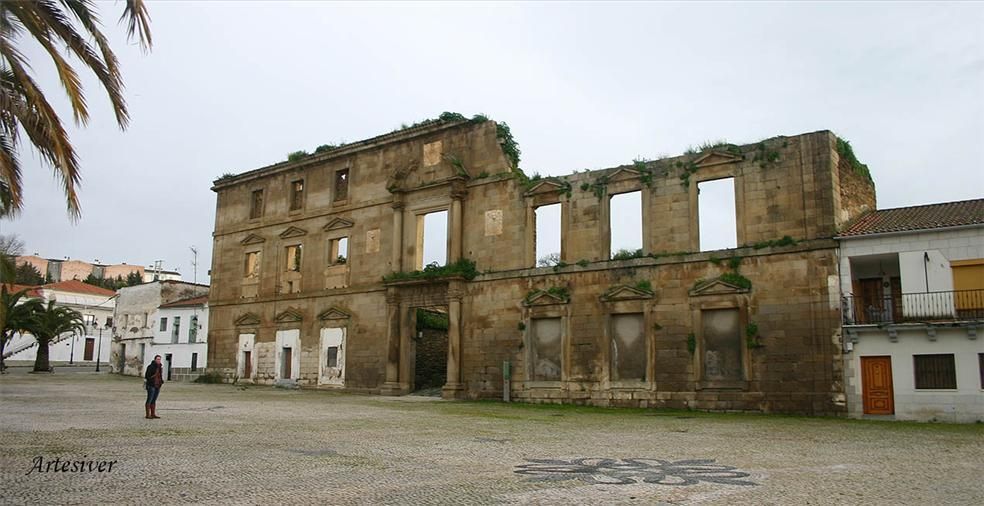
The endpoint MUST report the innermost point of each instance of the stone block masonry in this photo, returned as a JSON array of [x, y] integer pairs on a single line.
[[753, 328]]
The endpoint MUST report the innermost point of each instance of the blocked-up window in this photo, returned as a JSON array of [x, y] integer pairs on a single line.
[[292, 258], [175, 329], [625, 223], [163, 324], [547, 238], [628, 347], [296, 194], [251, 267], [546, 349], [722, 345], [338, 251], [256, 204], [717, 216], [432, 239], [935, 371], [341, 185]]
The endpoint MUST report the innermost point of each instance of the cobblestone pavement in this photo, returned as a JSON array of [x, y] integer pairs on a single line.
[[226, 444]]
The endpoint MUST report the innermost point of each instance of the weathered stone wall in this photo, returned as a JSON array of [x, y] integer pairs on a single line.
[[785, 186]]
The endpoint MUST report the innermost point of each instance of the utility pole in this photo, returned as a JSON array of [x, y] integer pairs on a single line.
[[194, 264]]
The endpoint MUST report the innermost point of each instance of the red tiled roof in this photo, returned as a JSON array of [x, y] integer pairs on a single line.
[[906, 219], [194, 301], [32, 291], [76, 286]]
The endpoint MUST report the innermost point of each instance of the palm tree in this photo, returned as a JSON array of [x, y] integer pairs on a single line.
[[16, 310], [64, 29], [49, 322]]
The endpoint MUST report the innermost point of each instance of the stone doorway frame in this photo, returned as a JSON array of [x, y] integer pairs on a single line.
[[403, 297]]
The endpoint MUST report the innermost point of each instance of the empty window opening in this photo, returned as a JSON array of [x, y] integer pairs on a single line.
[[432, 239], [718, 220], [251, 268], [722, 345], [341, 184], [338, 251], [625, 223], [293, 258], [546, 338], [935, 371], [256, 204], [628, 347], [296, 194], [547, 238]]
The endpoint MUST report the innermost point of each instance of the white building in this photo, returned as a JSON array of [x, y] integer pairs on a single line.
[[913, 286], [137, 322], [96, 304], [180, 337]]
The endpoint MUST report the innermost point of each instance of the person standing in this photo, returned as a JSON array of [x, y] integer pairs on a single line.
[[153, 382]]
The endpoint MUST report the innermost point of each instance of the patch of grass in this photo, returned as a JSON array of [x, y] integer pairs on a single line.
[[736, 279], [845, 151], [296, 155], [785, 241]]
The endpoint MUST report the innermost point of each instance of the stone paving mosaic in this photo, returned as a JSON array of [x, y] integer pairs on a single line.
[[226, 444]]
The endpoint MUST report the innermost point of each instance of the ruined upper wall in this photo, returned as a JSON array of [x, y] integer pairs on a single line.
[[420, 155]]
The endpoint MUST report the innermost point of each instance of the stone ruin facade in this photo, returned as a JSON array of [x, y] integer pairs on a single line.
[[302, 248]]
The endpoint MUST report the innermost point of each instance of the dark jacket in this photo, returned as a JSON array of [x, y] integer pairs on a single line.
[[153, 375]]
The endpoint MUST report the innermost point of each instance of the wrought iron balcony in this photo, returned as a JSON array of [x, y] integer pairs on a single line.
[[958, 305]]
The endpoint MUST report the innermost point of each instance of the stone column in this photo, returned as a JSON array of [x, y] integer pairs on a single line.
[[457, 227], [397, 255], [392, 384], [454, 389]]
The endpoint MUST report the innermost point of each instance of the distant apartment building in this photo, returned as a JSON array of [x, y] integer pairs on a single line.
[[66, 269]]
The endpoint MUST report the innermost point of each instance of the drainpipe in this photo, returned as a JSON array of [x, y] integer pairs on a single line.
[[926, 269]]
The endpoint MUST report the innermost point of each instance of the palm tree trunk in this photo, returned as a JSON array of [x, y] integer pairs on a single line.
[[41, 362]]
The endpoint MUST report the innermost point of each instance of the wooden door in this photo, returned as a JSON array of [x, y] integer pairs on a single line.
[[287, 365], [876, 386], [89, 343], [247, 364]]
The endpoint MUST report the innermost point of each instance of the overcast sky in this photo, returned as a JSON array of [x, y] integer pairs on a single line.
[[232, 86]]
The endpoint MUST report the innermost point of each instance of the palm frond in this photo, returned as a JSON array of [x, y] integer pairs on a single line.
[[138, 21]]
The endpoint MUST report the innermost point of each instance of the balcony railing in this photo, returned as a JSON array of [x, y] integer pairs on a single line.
[[914, 307]]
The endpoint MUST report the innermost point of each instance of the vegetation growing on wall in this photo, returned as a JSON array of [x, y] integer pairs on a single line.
[[846, 152], [432, 320], [785, 241], [691, 343], [464, 268], [627, 254], [752, 336], [296, 155]]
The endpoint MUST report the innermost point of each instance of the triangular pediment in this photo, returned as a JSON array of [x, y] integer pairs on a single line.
[[337, 223], [624, 174], [716, 158], [716, 287], [625, 292], [544, 298], [334, 313], [289, 315], [545, 186], [252, 239], [247, 319], [292, 232]]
